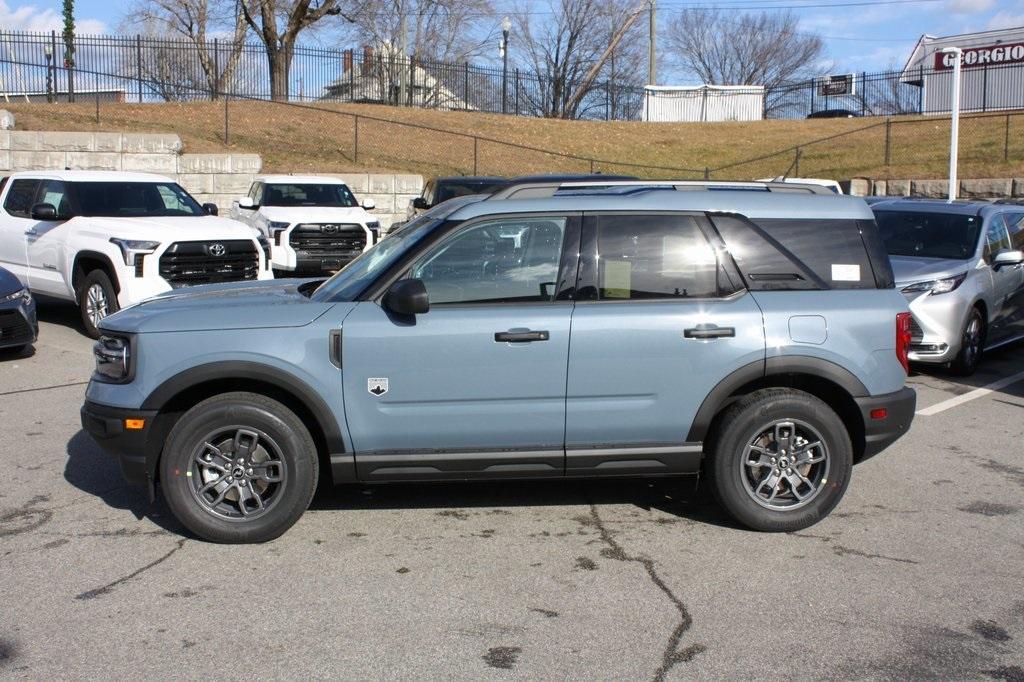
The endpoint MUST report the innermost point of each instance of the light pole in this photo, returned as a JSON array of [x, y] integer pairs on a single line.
[[506, 26], [954, 123], [48, 51]]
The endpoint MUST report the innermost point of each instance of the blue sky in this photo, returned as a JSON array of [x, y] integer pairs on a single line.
[[858, 38]]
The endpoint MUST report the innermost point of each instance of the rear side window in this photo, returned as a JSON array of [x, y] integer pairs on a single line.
[[1015, 224], [19, 199], [656, 257], [783, 254]]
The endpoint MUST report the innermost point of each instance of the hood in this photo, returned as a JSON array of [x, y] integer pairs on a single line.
[[908, 269], [315, 214], [233, 305], [9, 283], [170, 229]]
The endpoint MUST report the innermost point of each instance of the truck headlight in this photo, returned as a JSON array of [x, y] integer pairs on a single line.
[[130, 248], [113, 359], [276, 230], [21, 294], [937, 286]]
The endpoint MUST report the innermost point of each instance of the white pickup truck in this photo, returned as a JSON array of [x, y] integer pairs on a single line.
[[314, 223], [108, 239]]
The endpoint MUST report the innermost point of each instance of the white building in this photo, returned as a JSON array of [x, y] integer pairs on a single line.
[[689, 104], [992, 70]]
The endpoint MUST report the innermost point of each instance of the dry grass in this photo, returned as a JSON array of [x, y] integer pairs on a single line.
[[293, 138]]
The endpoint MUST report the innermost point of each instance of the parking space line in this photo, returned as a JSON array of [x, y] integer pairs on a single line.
[[44, 388], [967, 397]]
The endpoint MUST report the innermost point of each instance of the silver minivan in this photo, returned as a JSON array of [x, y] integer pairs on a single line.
[[959, 266]]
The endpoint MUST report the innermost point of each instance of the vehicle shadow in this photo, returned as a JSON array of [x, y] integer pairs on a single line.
[[54, 311], [95, 472], [9, 354], [995, 364]]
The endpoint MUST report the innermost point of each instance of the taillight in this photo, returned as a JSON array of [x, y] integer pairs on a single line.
[[903, 339]]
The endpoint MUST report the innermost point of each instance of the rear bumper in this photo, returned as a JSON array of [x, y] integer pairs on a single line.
[[882, 432], [106, 425]]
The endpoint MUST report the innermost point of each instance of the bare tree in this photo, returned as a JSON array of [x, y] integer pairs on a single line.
[[721, 48], [566, 50], [439, 30], [193, 20], [279, 41]]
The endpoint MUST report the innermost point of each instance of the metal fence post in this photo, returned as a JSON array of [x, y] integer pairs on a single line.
[[465, 85], [591, 166], [984, 88], [97, 101], [476, 141], [863, 92], [920, 90], [226, 99], [138, 62], [796, 163], [707, 173], [888, 141], [517, 92], [355, 141], [1006, 141], [216, 69]]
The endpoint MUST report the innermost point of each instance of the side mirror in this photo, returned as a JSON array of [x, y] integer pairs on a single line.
[[44, 212], [246, 202], [419, 203], [407, 297], [369, 204], [1002, 259], [211, 209]]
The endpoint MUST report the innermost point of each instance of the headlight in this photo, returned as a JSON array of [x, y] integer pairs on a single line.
[[113, 359], [937, 286], [131, 248], [276, 230], [22, 294]]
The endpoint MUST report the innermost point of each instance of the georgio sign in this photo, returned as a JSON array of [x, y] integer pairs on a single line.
[[993, 55]]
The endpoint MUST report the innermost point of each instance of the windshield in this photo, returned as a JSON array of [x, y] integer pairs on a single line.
[[135, 200], [329, 195], [928, 235], [449, 189]]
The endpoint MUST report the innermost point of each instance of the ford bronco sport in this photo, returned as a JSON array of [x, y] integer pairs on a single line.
[[749, 332]]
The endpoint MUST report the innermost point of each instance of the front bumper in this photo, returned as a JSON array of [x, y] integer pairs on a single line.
[[18, 324], [939, 322], [131, 447], [882, 432]]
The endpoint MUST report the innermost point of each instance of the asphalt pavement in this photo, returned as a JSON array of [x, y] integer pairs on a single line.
[[918, 574]]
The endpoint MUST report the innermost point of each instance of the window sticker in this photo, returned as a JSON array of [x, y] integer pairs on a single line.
[[617, 276], [842, 272]]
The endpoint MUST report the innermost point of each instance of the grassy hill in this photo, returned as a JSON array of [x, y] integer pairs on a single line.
[[322, 138]]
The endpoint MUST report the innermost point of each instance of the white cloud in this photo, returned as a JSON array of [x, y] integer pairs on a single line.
[[969, 6], [32, 18], [1005, 19]]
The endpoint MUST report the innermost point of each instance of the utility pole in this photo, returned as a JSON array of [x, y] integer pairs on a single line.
[[403, 64], [954, 120], [652, 67]]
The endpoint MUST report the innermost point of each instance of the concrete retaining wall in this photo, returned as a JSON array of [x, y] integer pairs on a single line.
[[975, 188], [215, 178]]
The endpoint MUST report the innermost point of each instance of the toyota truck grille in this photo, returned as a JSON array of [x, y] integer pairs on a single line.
[[333, 240], [187, 263], [14, 329]]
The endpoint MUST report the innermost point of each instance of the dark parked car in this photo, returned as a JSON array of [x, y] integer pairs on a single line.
[[18, 324], [440, 190], [834, 113]]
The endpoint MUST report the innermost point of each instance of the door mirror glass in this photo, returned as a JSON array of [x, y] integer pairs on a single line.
[[407, 297], [419, 203], [246, 202], [369, 204], [211, 209], [1004, 258], [44, 212]]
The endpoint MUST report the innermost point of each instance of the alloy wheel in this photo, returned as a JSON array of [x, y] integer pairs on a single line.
[[237, 473], [97, 306], [785, 465]]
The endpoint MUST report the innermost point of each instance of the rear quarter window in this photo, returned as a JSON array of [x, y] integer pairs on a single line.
[[800, 254]]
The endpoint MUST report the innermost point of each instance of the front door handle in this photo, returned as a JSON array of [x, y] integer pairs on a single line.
[[30, 231], [709, 331], [521, 336]]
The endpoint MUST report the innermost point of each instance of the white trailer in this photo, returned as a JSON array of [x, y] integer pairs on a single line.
[[697, 103]]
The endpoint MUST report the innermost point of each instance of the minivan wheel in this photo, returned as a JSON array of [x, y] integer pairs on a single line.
[[781, 460], [972, 341], [96, 300], [239, 467]]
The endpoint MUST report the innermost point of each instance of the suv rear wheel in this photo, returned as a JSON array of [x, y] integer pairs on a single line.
[[239, 467], [96, 299], [781, 461]]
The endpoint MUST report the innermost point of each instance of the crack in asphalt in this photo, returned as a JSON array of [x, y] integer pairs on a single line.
[[109, 587], [672, 654], [44, 388]]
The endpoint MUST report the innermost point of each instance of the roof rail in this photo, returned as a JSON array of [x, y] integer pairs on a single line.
[[534, 190]]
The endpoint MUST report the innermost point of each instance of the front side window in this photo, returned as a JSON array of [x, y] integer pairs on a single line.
[[928, 235], [656, 256], [510, 260], [20, 197], [1015, 225], [330, 195], [135, 200]]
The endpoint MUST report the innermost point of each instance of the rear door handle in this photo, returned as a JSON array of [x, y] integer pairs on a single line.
[[521, 336], [709, 331]]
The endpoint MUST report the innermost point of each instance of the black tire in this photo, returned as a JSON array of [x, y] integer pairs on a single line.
[[731, 480], [283, 437], [972, 344], [96, 279]]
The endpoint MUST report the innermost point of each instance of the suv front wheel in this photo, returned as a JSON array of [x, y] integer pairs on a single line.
[[239, 467], [781, 460]]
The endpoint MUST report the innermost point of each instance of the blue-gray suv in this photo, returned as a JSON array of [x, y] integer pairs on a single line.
[[750, 332]]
